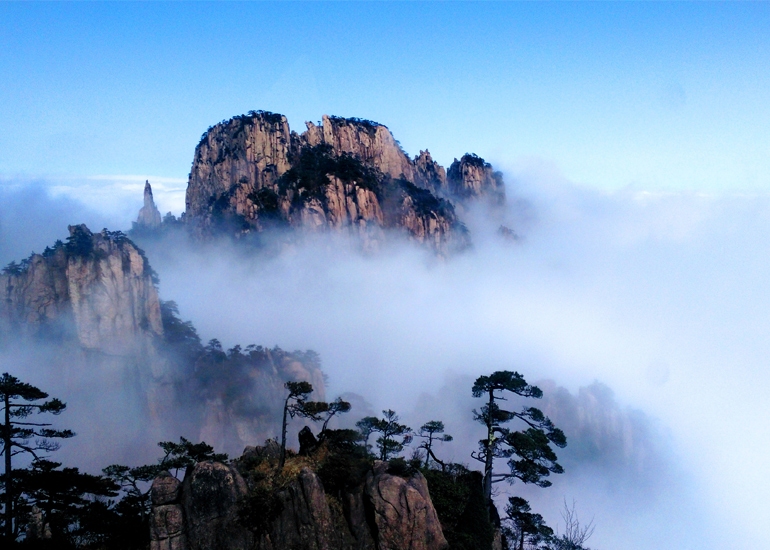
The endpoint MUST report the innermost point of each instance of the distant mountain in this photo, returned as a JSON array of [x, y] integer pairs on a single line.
[[252, 173]]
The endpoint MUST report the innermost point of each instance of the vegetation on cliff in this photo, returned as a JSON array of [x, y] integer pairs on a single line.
[[51, 506]]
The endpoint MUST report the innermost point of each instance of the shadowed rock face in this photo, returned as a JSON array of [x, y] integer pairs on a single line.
[[386, 513], [403, 511], [166, 525], [210, 496], [200, 513], [305, 520], [252, 173]]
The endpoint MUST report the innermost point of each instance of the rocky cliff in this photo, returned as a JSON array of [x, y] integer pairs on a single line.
[[215, 507], [252, 173], [93, 303], [98, 286], [472, 177]]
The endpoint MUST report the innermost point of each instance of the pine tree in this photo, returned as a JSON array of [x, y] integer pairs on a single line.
[[21, 436], [530, 456]]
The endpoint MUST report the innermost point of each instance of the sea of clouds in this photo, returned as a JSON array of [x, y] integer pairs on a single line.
[[642, 315]]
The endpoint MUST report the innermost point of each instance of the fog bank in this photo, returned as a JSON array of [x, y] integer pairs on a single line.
[[660, 297], [642, 315]]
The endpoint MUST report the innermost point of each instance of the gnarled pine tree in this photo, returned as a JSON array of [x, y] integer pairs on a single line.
[[530, 456]]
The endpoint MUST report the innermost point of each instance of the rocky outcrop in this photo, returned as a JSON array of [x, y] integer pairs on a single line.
[[472, 177], [387, 513], [166, 525], [403, 512], [93, 302], [201, 513], [149, 215], [210, 496], [236, 158], [98, 285], [252, 173], [371, 143], [430, 175], [305, 520]]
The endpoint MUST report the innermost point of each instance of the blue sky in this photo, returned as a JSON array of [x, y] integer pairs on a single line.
[[655, 96]]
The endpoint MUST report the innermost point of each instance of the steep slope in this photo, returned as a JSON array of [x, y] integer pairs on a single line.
[[99, 286], [252, 173], [93, 303]]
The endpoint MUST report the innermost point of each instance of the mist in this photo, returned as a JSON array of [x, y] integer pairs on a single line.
[[641, 315]]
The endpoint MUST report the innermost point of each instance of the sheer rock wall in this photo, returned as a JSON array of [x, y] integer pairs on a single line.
[[99, 286], [247, 176]]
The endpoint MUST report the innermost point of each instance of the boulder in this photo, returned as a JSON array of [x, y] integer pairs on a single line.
[[403, 511], [307, 441]]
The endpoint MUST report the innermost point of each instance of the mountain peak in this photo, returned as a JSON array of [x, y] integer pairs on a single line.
[[149, 215]]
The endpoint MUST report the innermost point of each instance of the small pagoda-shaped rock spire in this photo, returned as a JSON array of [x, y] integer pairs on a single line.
[[149, 215]]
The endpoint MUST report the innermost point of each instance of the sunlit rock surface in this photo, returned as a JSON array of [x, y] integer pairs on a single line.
[[252, 173], [149, 215], [403, 511], [472, 177], [99, 284]]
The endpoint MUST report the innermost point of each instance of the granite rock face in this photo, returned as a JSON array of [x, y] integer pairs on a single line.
[[430, 175], [252, 173], [472, 177], [368, 141], [388, 512], [199, 513], [305, 520], [94, 302], [99, 286], [236, 158], [210, 496], [403, 511], [149, 215], [166, 525]]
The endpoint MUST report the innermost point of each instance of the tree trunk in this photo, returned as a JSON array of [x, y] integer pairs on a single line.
[[489, 457], [283, 434], [8, 471]]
